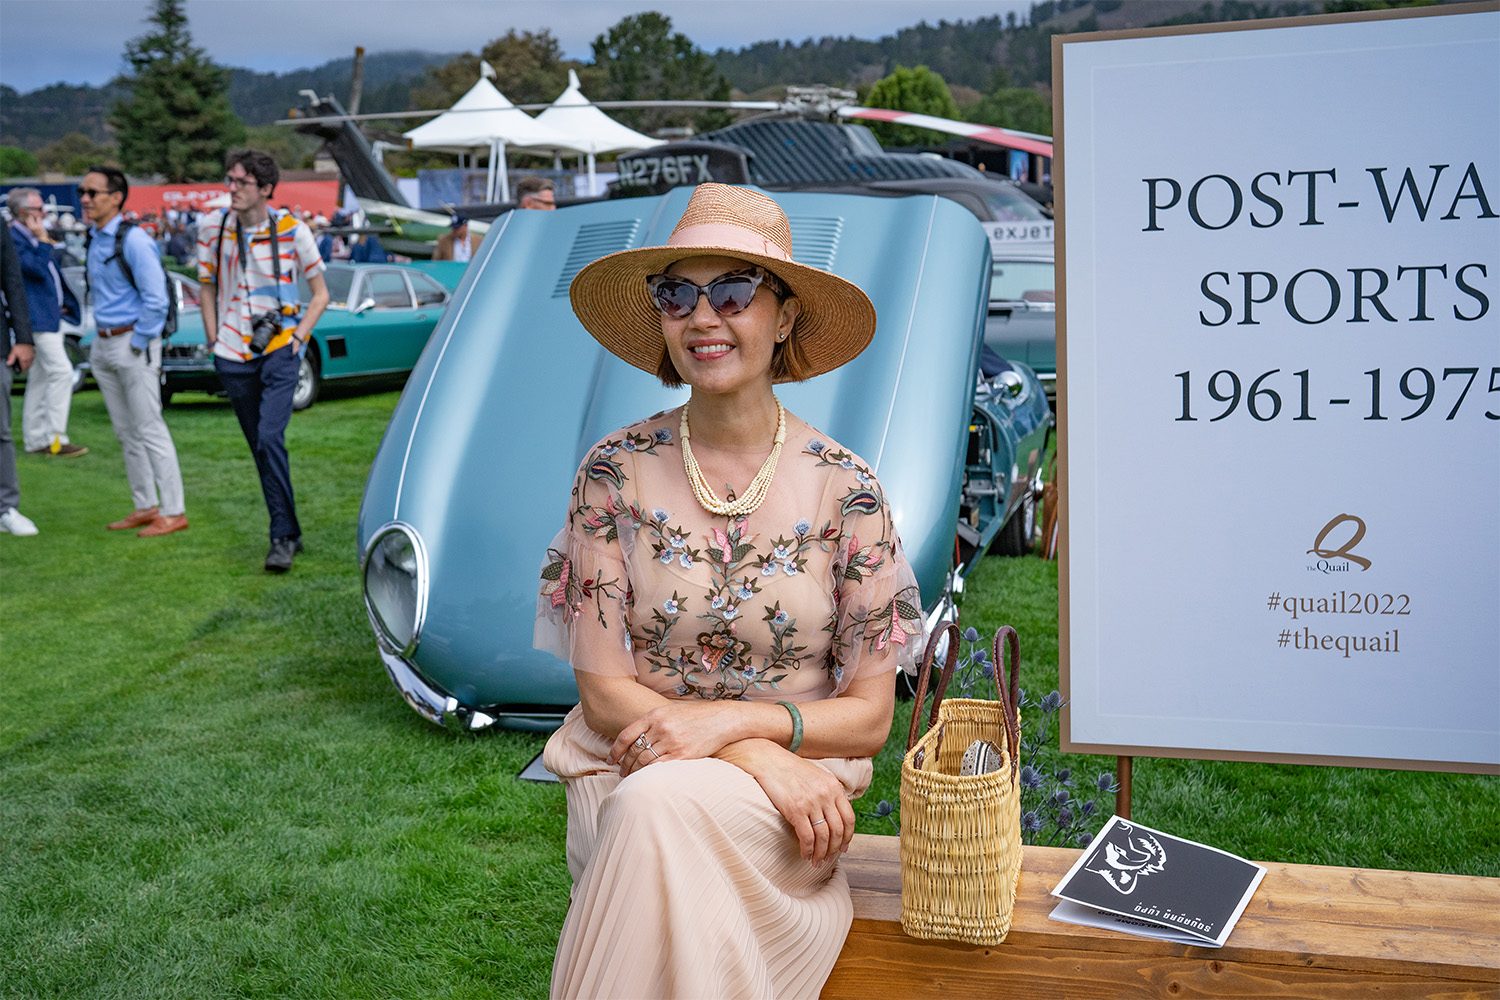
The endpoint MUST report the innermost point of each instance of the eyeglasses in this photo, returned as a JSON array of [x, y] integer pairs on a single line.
[[84, 192], [728, 294], [234, 182]]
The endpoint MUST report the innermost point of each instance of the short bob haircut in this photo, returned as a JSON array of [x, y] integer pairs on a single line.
[[788, 361]]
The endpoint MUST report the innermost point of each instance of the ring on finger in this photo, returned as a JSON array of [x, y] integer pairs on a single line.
[[640, 741], [817, 821], [653, 751]]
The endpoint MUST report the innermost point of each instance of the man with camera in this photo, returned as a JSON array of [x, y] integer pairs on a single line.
[[249, 260], [129, 288]]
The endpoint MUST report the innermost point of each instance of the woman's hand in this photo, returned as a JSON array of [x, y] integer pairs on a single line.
[[677, 730], [810, 799]]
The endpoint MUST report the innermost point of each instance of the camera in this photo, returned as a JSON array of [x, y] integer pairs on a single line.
[[262, 329]]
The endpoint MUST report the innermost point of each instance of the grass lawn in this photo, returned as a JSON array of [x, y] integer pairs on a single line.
[[208, 788]]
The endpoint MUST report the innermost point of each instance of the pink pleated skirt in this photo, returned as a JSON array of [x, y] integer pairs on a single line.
[[687, 883]]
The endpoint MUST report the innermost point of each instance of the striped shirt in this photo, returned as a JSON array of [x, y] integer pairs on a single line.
[[244, 292]]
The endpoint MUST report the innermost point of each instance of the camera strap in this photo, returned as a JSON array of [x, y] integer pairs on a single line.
[[246, 259]]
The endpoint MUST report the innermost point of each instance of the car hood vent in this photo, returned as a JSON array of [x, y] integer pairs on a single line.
[[815, 241], [593, 241]]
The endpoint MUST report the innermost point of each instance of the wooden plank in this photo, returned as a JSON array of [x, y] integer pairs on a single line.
[[1307, 930], [887, 965]]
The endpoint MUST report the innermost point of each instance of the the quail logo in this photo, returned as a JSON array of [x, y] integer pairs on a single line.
[[1325, 563], [1127, 858]]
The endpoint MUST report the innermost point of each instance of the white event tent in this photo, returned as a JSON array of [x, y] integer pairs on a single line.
[[484, 119], [586, 130]]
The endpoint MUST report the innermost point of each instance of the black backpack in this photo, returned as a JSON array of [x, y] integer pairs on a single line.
[[170, 326]]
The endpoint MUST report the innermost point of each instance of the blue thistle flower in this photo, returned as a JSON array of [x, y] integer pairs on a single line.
[[971, 634], [1031, 822]]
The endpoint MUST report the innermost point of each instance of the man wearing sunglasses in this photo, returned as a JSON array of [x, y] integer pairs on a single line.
[[130, 309], [249, 258]]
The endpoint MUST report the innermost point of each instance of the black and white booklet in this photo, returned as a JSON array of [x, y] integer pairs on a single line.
[[1138, 880]]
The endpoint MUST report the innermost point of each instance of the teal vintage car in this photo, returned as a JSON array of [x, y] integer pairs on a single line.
[[472, 478], [379, 318]]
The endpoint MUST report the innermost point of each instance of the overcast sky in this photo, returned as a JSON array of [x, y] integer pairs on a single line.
[[82, 41]]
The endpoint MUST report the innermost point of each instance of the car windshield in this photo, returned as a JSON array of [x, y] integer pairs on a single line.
[[1028, 280], [1010, 205], [339, 279]]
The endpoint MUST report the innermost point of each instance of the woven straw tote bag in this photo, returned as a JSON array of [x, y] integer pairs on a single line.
[[961, 834]]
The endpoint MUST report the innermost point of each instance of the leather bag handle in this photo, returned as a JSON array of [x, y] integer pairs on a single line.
[[950, 629], [1010, 692]]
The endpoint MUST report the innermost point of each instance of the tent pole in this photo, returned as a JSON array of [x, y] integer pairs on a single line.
[[489, 176], [504, 172], [593, 186]]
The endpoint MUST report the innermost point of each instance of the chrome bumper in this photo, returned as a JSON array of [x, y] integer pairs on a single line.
[[430, 703]]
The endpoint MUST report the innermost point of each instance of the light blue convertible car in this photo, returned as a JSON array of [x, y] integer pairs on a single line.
[[471, 481]]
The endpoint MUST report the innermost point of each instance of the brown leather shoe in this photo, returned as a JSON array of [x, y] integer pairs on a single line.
[[136, 519], [164, 526]]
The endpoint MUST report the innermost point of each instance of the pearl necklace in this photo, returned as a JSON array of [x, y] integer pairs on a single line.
[[755, 494]]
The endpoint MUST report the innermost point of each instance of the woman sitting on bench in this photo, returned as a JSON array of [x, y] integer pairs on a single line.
[[734, 601]]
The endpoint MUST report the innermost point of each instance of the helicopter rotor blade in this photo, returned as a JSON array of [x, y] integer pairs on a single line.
[[1027, 142], [295, 119]]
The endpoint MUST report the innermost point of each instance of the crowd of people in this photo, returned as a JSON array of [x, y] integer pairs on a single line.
[[253, 324]]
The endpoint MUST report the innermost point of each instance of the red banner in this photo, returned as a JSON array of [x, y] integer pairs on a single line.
[[318, 197]]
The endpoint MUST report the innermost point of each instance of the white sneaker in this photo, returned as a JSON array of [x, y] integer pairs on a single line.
[[16, 523]]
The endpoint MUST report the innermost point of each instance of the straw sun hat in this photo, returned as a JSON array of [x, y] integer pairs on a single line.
[[611, 298]]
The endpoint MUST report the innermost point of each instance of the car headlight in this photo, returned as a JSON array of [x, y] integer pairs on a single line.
[[396, 586], [1013, 388]]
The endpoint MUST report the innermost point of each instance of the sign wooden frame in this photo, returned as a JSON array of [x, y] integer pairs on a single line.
[[1068, 744]]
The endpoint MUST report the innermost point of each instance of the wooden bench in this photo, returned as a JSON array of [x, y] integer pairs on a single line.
[[1309, 931]]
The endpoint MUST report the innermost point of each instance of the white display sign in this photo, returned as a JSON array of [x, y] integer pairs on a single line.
[[1280, 349]]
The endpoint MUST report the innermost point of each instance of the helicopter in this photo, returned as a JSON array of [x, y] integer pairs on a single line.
[[811, 140]]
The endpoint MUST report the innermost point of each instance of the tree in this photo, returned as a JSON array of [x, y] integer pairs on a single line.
[[291, 150], [74, 153], [1019, 108], [16, 162], [917, 89], [529, 69], [642, 59], [176, 121]]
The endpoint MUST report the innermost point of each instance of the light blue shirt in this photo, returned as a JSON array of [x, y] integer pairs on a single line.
[[116, 301]]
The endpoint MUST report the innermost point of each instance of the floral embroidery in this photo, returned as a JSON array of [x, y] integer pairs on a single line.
[[732, 582], [564, 591]]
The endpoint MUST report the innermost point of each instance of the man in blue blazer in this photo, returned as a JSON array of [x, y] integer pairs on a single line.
[[49, 384]]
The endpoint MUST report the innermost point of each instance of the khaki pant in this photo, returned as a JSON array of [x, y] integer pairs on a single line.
[[49, 393], [130, 382]]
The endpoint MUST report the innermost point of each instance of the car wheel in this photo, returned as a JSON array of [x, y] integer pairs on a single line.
[[1015, 538], [309, 380]]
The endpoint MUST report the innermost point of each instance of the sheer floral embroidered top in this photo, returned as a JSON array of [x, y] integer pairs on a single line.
[[787, 601]]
